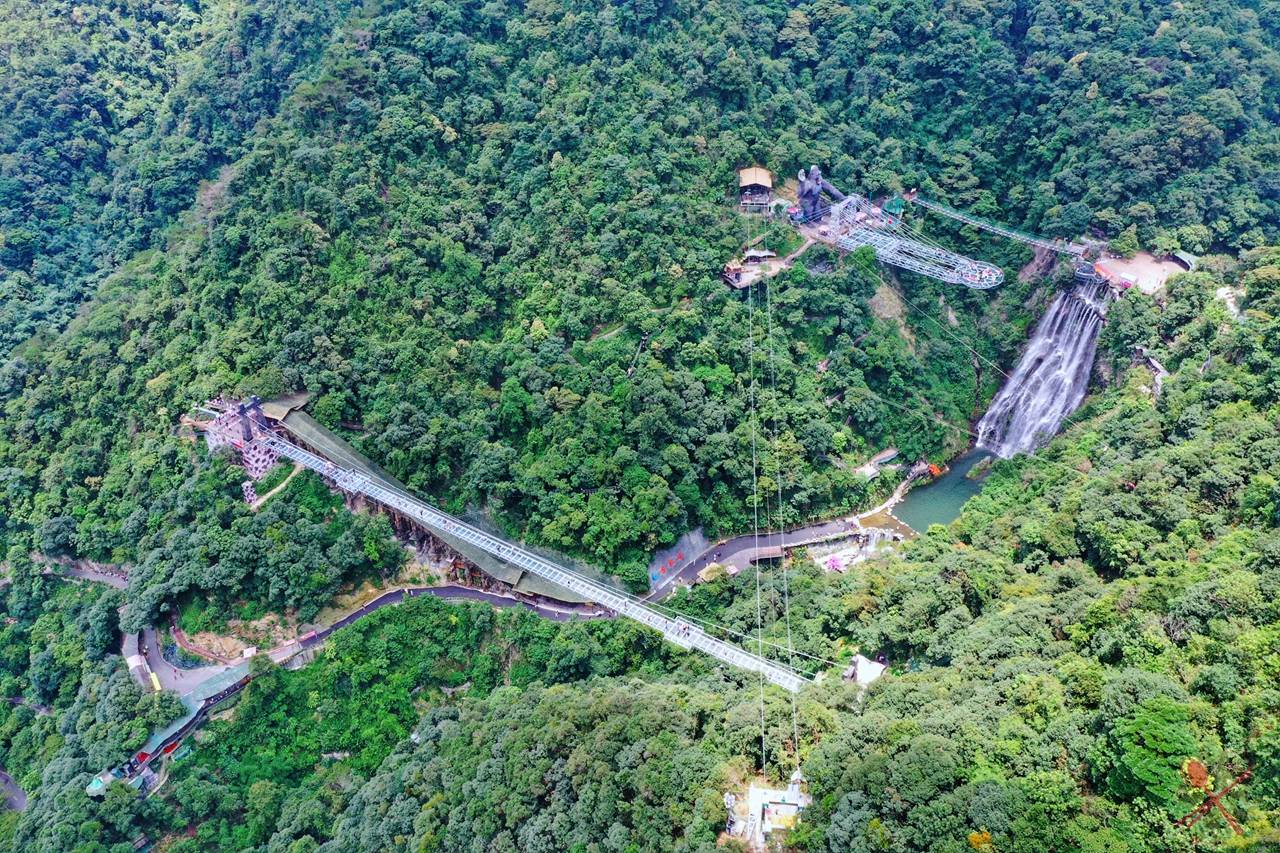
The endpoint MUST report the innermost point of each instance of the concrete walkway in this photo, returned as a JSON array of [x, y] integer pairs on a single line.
[[172, 677], [741, 551]]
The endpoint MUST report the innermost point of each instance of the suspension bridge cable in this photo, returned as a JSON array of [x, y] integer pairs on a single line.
[[751, 638], [782, 528], [755, 508]]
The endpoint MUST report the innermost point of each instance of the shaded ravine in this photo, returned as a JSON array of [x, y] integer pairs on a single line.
[[15, 798]]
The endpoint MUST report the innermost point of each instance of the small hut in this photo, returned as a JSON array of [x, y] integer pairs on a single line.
[[755, 189]]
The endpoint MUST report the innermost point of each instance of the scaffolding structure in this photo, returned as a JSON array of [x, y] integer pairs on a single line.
[[856, 222], [852, 221]]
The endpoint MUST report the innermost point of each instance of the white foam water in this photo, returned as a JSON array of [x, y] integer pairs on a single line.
[[1053, 375]]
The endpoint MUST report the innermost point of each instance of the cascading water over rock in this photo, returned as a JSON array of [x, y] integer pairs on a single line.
[[1051, 379]]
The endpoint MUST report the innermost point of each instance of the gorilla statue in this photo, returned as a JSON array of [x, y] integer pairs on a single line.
[[811, 188]]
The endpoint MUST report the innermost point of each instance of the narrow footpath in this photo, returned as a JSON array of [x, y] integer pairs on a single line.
[[87, 571], [40, 710]]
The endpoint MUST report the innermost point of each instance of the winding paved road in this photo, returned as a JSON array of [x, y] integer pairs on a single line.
[[451, 592], [179, 680], [184, 680]]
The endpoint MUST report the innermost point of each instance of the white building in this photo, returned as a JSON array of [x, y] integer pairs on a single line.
[[769, 809]]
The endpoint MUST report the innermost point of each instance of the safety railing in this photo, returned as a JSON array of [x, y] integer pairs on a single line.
[[678, 631]]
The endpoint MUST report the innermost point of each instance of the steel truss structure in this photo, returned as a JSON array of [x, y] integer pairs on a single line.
[[856, 222]]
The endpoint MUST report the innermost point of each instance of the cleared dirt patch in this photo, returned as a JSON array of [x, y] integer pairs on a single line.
[[265, 633], [1040, 265], [887, 305], [1149, 272]]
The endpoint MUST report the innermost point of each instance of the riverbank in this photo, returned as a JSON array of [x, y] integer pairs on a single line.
[[933, 502], [940, 501]]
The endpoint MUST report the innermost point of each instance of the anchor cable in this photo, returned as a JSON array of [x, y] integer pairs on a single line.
[[782, 530]]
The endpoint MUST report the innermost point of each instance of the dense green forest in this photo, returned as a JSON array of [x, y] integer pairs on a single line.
[[110, 116], [1099, 614], [489, 235], [293, 555], [486, 237], [67, 705]]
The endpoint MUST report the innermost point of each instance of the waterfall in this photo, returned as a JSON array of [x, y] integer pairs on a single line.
[[1051, 379]]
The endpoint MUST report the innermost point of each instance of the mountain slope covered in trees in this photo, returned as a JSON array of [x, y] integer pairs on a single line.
[[1100, 614], [486, 238], [490, 235], [110, 116]]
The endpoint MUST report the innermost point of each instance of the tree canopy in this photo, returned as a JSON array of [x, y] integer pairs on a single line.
[[486, 237]]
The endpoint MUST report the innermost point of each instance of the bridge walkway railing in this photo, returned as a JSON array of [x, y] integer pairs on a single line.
[[997, 228], [682, 633]]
